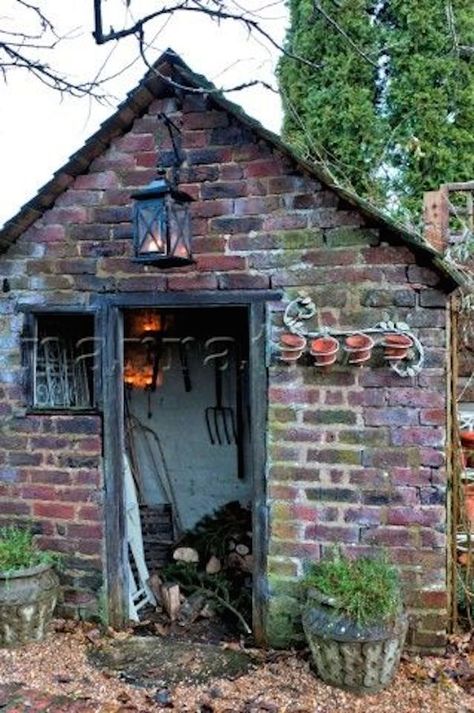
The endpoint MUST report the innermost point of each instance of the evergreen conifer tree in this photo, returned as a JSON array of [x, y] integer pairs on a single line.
[[391, 109]]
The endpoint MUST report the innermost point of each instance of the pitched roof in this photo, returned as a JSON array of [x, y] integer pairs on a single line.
[[171, 73]]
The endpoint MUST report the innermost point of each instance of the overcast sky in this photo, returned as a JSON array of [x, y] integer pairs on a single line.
[[39, 130]]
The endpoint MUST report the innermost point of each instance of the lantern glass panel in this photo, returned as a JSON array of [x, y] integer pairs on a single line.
[[179, 230], [150, 227]]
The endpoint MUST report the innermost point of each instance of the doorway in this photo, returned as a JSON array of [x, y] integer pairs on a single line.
[[193, 411]]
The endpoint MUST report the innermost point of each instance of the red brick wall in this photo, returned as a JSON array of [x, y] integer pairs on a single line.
[[50, 477], [354, 456]]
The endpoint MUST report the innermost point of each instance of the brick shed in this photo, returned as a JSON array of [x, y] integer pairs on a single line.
[[352, 454]]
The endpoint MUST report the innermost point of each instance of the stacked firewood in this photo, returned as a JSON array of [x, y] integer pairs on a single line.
[[211, 570]]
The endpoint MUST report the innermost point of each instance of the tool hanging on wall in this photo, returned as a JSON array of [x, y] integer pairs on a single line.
[[239, 368], [220, 420], [183, 358]]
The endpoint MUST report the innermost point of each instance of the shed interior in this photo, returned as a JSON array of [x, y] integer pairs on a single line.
[[187, 447]]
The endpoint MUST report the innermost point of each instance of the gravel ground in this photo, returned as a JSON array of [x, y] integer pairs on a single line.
[[281, 683]]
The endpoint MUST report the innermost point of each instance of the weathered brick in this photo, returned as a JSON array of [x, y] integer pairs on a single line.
[[334, 455], [263, 167], [421, 436], [210, 209], [332, 533], [428, 516], [391, 416], [243, 281], [363, 515], [96, 180], [223, 189], [56, 511], [144, 282], [350, 236], [193, 281], [208, 155], [205, 120], [328, 416], [422, 275], [387, 536], [342, 495], [235, 224]]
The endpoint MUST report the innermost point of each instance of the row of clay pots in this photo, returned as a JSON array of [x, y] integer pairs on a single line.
[[358, 346], [467, 443]]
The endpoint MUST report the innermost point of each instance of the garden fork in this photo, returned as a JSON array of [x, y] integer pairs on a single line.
[[220, 420]]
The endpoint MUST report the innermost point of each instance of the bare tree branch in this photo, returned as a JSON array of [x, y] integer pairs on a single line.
[[46, 24], [196, 90], [193, 6], [46, 75]]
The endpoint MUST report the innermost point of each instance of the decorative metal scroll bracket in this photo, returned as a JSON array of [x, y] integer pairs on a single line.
[[302, 309]]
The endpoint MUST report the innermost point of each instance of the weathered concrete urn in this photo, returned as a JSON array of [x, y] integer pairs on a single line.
[[27, 601], [362, 659]]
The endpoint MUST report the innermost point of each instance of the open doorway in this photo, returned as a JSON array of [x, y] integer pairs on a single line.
[[188, 471]]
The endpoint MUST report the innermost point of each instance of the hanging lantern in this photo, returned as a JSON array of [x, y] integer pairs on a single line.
[[162, 225]]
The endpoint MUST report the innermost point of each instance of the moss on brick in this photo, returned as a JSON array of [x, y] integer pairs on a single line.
[[298, 239], [327, 416], [376, 437], [281, 415], [284, 613], [339, 237], [281, 512], [279, 566]]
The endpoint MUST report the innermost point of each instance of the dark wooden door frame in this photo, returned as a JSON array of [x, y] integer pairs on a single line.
[[111, 333]]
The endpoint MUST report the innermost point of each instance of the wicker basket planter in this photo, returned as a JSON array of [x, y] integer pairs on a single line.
[[361, 659], [27, 601]]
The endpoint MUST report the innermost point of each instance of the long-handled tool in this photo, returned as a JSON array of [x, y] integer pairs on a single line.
[[220, 420]]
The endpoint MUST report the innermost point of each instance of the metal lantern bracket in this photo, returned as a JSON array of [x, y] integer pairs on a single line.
[[302, 309]]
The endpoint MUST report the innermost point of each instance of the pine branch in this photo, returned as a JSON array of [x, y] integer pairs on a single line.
[[331, 21]]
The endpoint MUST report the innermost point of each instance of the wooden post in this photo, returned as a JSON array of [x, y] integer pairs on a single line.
[[258, 410], [115, 534], [436, 218], [452, 461]]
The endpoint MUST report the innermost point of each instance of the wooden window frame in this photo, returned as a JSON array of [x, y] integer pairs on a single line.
[[28, 353]]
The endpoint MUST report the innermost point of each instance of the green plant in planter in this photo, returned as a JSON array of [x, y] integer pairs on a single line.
[[28, 587], [354, 620], [18, 550], [366, 589]]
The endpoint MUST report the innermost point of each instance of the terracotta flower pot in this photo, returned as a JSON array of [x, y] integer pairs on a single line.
[[464, 549], [324, 350], [469, 503], [397, 346], [467, 442], [292, 346], [359, 347]]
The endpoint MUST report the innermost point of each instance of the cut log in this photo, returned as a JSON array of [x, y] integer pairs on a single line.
[[155, 585], [214, 565], [192, 608], [185, 554], [235, 560], [170, 597], [242, 550], [247, 565]]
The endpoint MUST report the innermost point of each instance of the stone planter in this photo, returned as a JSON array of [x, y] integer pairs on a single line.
[[27, 601], [362, 659]]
